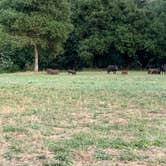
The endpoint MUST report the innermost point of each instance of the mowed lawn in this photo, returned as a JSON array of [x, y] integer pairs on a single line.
[[91, 119]]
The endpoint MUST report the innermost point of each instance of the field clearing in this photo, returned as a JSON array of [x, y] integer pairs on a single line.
[[91, 119]]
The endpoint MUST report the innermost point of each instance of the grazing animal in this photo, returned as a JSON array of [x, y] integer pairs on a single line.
[[154, 71], [73, 72], [163, 69], [52, 71], [112, 68], [125, 72]]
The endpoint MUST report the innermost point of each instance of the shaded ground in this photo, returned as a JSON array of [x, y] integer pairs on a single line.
[[90, 119]]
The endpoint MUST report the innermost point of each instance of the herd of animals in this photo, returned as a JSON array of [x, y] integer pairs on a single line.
[[114, 69]]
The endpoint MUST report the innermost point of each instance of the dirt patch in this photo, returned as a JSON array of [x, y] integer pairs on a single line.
[[113, 152], [83, 157], [154, 153], [6, 109], [3, 149], [115, 163]]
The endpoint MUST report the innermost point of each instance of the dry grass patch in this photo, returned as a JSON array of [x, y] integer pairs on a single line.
[[90, 119]]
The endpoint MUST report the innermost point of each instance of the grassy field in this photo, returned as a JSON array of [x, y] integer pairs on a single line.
[[91, 119]]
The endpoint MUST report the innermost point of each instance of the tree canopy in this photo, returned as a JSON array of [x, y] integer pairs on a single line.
[[126, 28], [36, 23], [92, 33]]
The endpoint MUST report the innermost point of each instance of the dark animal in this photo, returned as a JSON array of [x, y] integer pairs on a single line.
[[112, 68], [163, 69], [52, 71], [73, 72], [154, 71], [125, 72]]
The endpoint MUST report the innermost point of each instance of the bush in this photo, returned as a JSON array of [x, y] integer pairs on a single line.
[[6, 64]]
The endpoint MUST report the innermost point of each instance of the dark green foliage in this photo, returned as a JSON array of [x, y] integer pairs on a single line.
[[130, 33], [36, 24], [6, 64], [120, 32]]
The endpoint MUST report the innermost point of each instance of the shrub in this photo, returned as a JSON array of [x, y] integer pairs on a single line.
[[6, 64]]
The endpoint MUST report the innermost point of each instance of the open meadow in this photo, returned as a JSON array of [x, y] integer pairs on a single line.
[[88, 119]]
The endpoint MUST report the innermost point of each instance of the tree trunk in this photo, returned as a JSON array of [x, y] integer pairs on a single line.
[[36, 67]]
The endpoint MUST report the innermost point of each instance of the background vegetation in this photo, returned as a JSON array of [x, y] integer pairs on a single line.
[[130, 33]]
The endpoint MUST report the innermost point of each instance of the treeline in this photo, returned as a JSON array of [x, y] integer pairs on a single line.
[[81, 33]]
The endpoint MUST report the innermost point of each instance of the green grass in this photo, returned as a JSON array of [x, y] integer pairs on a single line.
[[89, 119]]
